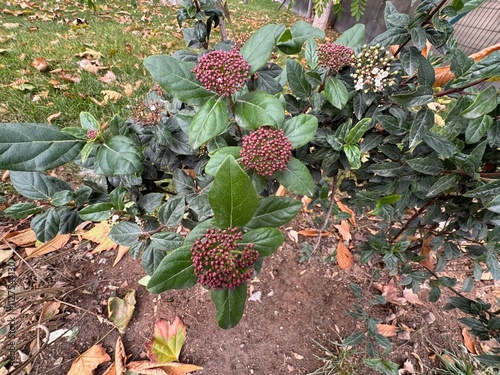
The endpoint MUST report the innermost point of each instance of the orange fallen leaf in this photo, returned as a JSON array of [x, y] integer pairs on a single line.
[[120, 357], [468, 341], [344, 230], [23, 238], [427, 251], [313, 233], [122, 250], [53, 116], [54, 244], [344, 256], [346, 209], [387, 330], [86, 363]]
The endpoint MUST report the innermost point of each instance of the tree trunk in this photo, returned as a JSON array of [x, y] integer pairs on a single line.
[[322, 21]]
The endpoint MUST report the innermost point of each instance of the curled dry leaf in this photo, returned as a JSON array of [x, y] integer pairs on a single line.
[[387, 330], [49, 309], [344, 256], [22, 238], [40, 64], [391, 293], [86, 363], [344, 230], [313, 233], [412, 297], [120, 357], [120, 310], [54, 244], [468, 341], [347, 210], [108, 77], [53, 116]]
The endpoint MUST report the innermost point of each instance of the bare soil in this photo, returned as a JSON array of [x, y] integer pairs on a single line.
[[301, 304]]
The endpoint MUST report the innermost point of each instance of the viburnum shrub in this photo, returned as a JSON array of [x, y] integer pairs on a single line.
[[416, 149]]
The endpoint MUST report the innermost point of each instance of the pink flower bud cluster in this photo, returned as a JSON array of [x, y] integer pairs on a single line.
[[220, 262], [223, 72], [266, 150], [334, 56], [91, 134], [373, 69]]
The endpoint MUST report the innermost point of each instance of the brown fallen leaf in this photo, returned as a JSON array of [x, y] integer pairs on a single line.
[[344, 230], [49, 309], [127, 89], [22, 238], [427, 251], [120, 357], [68, 77], [468, 341], [346, 209], [172, 368], [99, 235], [313, 233], [53, 116], [387, 330], [120, 311], [54, 244], [111, 96], [122, 250], [344, 256], [412, 297], [108, 77], [391, 293], [40, 64], [86, 363]]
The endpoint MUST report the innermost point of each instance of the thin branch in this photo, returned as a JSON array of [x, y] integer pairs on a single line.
[[410, 220], [327, 214], [459, 89]]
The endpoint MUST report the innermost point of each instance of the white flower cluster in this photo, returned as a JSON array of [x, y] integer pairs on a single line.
[[373, 69]]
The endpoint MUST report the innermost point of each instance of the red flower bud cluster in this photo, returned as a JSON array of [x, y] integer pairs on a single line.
[[223, 72], [218, 260], [334, 56], [266, 150], [91, 134]]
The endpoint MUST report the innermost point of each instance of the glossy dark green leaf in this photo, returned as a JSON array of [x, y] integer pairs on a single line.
[[125, 233], [176, 78], [354, 339], [230, 305], [199, 207], [296, 76], [477, 128], [119, 156], [151, 258], [172, 212], [423, 122], [266, 240], [22, 210], [259, 46], [117, 197], [296, 178], [442, 146], [300, 129], [422, 95], [36, 185], [429, 165], [97, 212], [36, 147], [62, 197], [487, 190], [46, 225], [311, 53], [336, 93], [118, 126], [488, 67], [274, 212], [300, 32], [493, 264], [88, 121], [353, 155], [198, 231], [257, 109], [209, 122], [484, 103], [444, 183], [352, 37], [396, 35], [175, 271], [357, 131], [232, 195], [217, 158], [418, 37], [390, 169]]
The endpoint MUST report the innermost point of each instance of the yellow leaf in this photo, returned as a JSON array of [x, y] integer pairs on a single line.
[[120, 310], [99, 235], [111, 96], [86, 363]]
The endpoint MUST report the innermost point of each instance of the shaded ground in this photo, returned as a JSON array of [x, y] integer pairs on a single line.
[[300, 302]]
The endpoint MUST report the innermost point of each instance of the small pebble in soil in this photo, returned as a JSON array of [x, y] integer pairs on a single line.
[[404, 335]]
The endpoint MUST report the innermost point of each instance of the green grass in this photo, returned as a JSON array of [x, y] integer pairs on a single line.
[[123, 35]]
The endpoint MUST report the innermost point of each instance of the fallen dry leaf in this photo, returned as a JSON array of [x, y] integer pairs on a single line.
[[120, 311], [54, 244], [313, 233], [108, 77], [427, 251], [120, 357], [127, 89], [99, 235], [49, 310], [346, 209], [344, 230], [391, 293], [68, 77], [53, 116], [412, 297], [468, 341], [111, 96], [122, 250], [23, 238], [344, 256], [387, 330], [40, 64], [407, 368], [86, 363], [167, 342], [172, 368]]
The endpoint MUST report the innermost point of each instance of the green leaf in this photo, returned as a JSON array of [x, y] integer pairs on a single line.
[[198, 231], [336, 93], [232, 195], [36, 147], [274, 212], [266, 240], [488, 67], [36, 185], [219, 156], [382, 366], [296, 178], [119, 156], [353, 37], [21, 210], [257, 109], [176, 78], [175, 271], [210, 121], [259, 46], [76, 132], [63, 197], [96, 212], [166, 241], [46, 225], [418, 37], [445, 183], [230, 305], [442, 146], [150, 202], [120, 310], [353, 155], [125, 233], [422, 123], [396, 35], [88, 121], [167, 342], [151, 258], [117, 197], [297, 79], [172, 212], [476, 128], [301, 31], [300, 129], [354, 339], [487, 190], [86, 151], [429, 165], [311, 53], [493, 264], [484, 103], [358, 131]]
